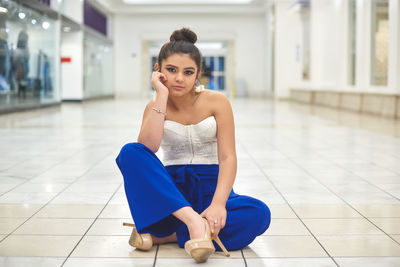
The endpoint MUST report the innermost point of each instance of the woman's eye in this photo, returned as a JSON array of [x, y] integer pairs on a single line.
[[188, 72], [171, 69]]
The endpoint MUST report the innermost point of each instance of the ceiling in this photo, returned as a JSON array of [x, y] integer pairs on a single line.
[[183, 6]]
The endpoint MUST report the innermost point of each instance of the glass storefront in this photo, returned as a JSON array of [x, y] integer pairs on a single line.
[[352, 42], [306, 38], [27, 57], [379, 42], [98, 67]]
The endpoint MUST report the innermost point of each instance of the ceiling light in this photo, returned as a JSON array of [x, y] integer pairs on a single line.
[[21, 15], [33, 21], [187, 2], [211, 46], [45, 25], [3, 10]]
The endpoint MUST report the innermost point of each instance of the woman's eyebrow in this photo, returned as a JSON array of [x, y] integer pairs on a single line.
[[169, 65]]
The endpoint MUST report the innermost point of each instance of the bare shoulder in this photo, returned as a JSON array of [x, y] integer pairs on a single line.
[[216, 100]]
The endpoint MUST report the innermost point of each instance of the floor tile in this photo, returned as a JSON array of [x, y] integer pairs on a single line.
[[368, 262], [6, 187], [284, 246], [281, 211], [347, 226], [396, 237], [119, 199], [106, 262], [286, 227], [70, 211], [360, 246], [298, 262], [38, 246], [92, 188], [174, 251], [18, 210], [30, 261], [53, 226], [388, 225], [109, 246], [26, 198], [40, 188], [7, 225], [379, 210], [82, 198], [116, 211], [110, 227], [325, 211], [167, 262]]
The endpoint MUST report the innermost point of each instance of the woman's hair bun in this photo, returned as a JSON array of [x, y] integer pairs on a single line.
[[183, 34]]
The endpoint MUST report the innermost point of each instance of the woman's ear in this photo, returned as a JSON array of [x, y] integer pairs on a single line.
[[156, 67]]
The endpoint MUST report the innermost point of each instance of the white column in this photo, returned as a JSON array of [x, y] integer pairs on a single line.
[[394, 46], [363, 46], [72, 72]]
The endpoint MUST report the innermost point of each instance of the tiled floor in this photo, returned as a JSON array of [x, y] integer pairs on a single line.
[[331, 179]]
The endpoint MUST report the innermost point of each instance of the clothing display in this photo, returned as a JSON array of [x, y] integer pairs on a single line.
[[188, 177]]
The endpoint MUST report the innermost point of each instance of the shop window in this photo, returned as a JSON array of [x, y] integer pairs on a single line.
[[98, 67], [352, 42], [27, 56], [379, 42], [213, 73], [305, 7]]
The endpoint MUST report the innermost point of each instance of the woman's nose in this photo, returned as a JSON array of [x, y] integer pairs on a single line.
[[179, 77]]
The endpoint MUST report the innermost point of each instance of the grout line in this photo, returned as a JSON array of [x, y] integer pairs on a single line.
[[45, 204], [330, 190], [287, 202], [341, 198], [44, 171], [77, 244], [244, 258], [155, 256]]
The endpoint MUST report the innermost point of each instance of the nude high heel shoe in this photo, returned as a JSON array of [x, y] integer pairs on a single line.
[[139, 241], [201, 248], [216, 239]]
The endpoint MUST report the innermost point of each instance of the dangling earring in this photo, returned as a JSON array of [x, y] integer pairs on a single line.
[[198, 87]]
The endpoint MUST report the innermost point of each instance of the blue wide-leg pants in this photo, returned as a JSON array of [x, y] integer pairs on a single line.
[[155, 191]]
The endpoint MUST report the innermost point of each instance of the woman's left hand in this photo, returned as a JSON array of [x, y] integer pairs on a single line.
[[216, 217]]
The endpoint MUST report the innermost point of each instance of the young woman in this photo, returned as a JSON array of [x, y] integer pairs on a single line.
[[188, 198]]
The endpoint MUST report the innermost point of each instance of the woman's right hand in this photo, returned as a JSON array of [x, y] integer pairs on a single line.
[[157, 81]]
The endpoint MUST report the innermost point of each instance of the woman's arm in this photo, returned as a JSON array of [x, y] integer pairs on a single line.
[[226, 150], [216, 213], [152, 128]]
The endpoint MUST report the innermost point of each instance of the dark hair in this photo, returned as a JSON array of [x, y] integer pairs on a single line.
[[181, 42]]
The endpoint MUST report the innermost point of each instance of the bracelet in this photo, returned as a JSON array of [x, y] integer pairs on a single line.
[[159, 111]]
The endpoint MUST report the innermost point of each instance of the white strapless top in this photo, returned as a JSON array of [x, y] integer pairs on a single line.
[[190, 144]]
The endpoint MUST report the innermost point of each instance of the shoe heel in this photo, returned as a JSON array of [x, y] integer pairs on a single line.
[[139, 241], [201, 248], [216, 239]]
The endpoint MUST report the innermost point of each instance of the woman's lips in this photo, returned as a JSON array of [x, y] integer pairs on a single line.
[[178, 87]]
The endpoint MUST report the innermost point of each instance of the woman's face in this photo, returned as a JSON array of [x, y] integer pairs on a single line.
[[181, 72]]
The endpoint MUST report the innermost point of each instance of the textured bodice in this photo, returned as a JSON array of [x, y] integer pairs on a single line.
[[190, 144]]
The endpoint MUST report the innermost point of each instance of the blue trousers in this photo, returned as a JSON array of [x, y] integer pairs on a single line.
[[155, 191]]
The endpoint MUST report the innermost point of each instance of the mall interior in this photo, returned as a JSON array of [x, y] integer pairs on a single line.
[[314, 87]]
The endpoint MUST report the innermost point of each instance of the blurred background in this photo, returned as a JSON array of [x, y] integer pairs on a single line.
[[338, 53]]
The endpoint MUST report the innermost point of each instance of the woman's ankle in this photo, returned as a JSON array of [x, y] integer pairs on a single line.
[[193, 221], [196, 228], [164, 240]]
